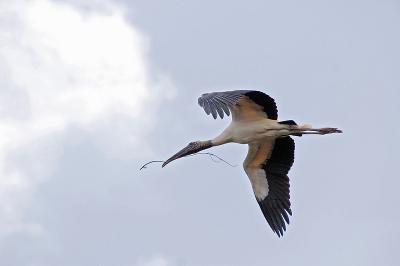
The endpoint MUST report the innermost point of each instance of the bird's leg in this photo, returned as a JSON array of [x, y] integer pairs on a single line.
[[328, 130], [296, 130]]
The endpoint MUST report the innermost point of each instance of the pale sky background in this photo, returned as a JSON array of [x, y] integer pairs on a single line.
[[91, 90]]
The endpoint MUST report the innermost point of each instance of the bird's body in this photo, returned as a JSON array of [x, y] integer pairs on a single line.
[[271, 149], [245, 131]]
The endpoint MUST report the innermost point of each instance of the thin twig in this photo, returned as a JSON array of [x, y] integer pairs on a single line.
[[144, 166], [212, 156]]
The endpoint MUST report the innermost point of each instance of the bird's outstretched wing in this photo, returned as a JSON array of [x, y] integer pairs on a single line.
[[267, 166], [218, 103]]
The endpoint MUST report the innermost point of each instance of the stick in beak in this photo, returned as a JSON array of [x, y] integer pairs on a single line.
[[193, 147]]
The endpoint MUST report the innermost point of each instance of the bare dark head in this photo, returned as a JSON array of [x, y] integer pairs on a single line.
[[191, 148]]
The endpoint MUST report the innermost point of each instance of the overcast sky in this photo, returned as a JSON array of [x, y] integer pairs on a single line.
[[91, 90]]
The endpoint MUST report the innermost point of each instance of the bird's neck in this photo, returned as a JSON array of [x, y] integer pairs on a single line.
[[223, 138]]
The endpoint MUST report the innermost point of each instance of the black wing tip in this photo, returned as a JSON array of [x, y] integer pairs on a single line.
[[276, 217]]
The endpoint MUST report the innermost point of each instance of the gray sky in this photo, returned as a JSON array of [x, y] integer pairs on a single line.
[[89, 92]]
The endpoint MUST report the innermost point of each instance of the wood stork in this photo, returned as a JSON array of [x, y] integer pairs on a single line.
[[271, 149]]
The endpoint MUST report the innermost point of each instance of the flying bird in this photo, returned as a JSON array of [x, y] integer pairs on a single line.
[[271, 148]]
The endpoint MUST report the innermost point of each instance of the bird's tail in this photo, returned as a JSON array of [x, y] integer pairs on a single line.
[[290, 122]]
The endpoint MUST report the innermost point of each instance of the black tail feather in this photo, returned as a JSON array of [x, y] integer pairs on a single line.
[[290, 122]]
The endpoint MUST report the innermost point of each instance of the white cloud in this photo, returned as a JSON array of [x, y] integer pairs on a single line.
[[60, 67]]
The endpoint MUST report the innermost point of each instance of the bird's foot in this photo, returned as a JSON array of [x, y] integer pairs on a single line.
[[329, 130]]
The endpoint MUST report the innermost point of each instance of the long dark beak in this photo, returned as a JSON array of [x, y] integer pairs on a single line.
[[193, 147]]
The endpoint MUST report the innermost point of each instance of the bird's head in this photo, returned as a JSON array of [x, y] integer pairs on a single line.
[[191, 148]]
